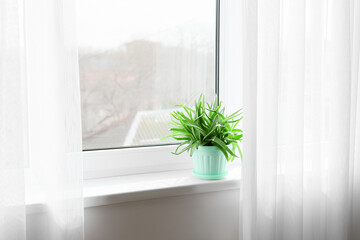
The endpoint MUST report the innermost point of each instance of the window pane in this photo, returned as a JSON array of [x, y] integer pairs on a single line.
[[138, 58]]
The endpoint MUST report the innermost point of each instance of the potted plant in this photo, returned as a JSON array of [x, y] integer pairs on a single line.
[[209, 135]]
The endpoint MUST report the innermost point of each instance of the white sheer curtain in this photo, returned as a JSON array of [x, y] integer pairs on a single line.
[[40, 125], [13, 129], [301, 172]]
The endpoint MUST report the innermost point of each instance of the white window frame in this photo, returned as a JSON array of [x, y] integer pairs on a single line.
[[138, 160]]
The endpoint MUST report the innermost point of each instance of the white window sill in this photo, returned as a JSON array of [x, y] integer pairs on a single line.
[[114, 190]]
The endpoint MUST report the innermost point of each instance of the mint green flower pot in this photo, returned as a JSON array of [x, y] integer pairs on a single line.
[[209, 163]]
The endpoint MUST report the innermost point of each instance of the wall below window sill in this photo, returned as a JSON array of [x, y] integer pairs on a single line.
[[114, 190]]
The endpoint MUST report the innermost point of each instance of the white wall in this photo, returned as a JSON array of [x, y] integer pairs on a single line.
[[210, 216]]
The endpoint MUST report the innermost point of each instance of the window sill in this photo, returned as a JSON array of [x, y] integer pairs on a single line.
[[106, 191], [114, 190]]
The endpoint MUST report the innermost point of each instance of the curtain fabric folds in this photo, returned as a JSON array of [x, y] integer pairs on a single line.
[[301, 171], [40, 124]]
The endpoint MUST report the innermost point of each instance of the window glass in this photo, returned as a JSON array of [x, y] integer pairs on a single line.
[[137, 59]]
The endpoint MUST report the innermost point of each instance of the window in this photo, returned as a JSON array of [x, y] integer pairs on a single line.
[[137, 59]]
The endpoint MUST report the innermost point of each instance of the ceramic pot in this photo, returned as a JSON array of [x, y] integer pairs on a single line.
[[209, 163]]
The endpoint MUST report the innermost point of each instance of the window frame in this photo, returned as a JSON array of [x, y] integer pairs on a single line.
[[138, 160]]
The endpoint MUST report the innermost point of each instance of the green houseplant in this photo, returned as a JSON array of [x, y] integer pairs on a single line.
[[209, 135]]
